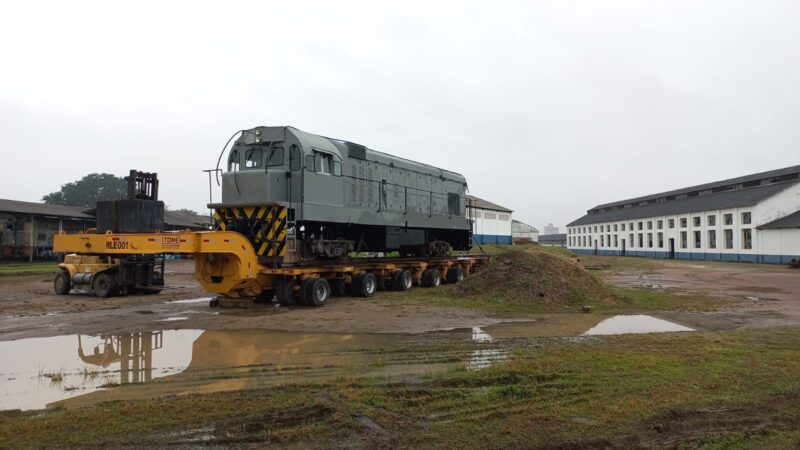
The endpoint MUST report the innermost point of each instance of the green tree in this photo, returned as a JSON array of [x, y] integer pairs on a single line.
[[88, 190]]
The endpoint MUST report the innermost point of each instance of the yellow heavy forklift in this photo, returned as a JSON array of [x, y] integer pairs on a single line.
[[105, 272]]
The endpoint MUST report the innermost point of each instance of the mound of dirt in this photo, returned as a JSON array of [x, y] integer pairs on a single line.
[[535, 276]]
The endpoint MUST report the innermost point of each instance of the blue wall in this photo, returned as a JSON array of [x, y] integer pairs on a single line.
[[491, 239], [740, 257]]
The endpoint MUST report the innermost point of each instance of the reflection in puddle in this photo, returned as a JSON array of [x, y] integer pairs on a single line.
[[483, 358], [637, 323], [174, 319], [39, 371], [192, 300]]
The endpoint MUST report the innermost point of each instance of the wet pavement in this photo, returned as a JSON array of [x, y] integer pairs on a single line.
[[81, 369]]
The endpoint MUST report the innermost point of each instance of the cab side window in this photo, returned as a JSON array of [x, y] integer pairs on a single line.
[[295, 158], [233, 161], [275, 156]]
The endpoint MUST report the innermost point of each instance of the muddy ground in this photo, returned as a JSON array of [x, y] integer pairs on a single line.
[[758, 296]]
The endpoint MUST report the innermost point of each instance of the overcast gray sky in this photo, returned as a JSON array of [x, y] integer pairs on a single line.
[[548, 107]]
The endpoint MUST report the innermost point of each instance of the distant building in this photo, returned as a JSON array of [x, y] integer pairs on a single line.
[[751, 218], [27, 228], [553, 240], [550, 229], [523, 233], [492, 222]]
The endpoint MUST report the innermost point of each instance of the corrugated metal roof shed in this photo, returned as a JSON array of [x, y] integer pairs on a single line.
[[720, 200], [790, 221], [786, 171], [42, 209], [483, 204], [548, 238], [177, 219]]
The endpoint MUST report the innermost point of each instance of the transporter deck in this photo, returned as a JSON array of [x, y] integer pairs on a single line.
[[227, 264]]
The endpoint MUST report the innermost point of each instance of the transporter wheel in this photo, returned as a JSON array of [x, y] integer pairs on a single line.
[[62, 283], [431, 278], [338, 287], [305, 291], [402, 280], [265, 296], [365, 285], [104, 285], [285, 292], [318, 293], [455, 274], [384, 283]]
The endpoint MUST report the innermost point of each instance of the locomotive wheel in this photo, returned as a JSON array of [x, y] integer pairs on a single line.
[[305, 291], [104, 285], [318, 293], [62, 284], [455, 274], [285, 292], [384, 283], [402, 280], [365, 285], [431, 278], [265, 296]]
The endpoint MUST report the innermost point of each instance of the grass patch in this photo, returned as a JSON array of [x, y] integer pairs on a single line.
[[689, 390], [26, 268]]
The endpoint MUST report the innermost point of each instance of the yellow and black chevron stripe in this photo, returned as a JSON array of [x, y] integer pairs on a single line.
[[265, 226]]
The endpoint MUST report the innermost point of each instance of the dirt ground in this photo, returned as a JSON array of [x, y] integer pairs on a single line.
[[766, 296]]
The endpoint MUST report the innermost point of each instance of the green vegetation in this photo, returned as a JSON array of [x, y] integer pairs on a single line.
[[26, 268], [687, 390], [88, 190]]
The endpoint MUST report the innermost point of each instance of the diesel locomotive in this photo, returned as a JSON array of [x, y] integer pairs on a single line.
[[299, 196]]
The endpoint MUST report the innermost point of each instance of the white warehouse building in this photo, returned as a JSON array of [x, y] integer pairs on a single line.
[[753, 218], [491, 222]]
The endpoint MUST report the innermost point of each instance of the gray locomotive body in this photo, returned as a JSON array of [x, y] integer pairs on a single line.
[[342, 197]]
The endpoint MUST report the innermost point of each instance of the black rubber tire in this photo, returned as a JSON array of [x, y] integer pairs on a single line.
[[455, 274], [265, 296], [285, 292], [402, 280], [365, 285], [62, 283], [384, 283], [319, 293], [338, 287], [431, 278], [305, 291], [104, 285]]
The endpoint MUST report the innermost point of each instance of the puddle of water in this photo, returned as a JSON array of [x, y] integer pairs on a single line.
[[633, 324], [40, 371], [173, 319], [483, 358], [191, 300]]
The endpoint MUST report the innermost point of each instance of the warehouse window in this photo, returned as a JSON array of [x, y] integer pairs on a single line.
[[641, 225], [712, 220], [641, 240], [602, 241], [747, 239], [728, 238], [660, 240], [696, 221], [622, 226], [697, 239], [253, 158], [615, 227], [616, 243], [683, 222], [684, 244], [608, 240], [712, 239], [746, 218], [728, 219], [649, 240], [630, 225], [660, 224], [649, 224], [671, 223], [503, 217], [595, 228], [630, 239], [489, 215]]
